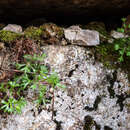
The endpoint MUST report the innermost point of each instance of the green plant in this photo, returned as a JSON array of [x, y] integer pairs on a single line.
[[12, 105], [33, 74], [122, 45]]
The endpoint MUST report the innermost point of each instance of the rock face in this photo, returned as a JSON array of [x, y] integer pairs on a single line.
[[95, 99], [63, 7]]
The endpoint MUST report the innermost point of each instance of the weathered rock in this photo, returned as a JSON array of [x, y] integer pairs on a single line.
[[32, 8], [13, 28], [83, 37], [118, 35], [95, 95]]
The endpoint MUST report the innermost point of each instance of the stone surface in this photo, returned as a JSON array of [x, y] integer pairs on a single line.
[[13, 28], [82, 37], [117, 35], [95, 96], [32, 8]]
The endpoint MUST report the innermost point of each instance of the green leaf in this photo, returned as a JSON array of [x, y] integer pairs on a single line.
[[128, 53], [121, 52], [43, 69], [123, 19], [61, 86], [117, 47], [19, 66], [121, 59], [53, 79], [34, 86], [120, 30], [27, 57], [124, 25], [128, 25]]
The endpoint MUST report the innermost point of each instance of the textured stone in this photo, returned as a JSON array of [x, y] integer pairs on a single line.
[[13, 28], [95, 95], [117, 35], [83, 37]]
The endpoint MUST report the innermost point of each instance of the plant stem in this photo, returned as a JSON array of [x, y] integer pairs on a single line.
[[52, 105]]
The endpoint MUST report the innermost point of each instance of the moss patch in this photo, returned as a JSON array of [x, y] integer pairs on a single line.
[[52, 30], [33, 33], [8, 36], [106, 54], [49, 33]]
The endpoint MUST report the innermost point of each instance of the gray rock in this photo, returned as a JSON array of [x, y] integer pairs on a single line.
[[88, 84], [13, 28], [82, 37], [118, 35], [87, 95]]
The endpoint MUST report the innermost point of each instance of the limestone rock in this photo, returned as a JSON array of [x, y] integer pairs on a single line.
[[82, 37], [118, 35], [94, 95], [13, 28]]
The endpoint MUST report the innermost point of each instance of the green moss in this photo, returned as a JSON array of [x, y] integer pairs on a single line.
[[45, 31], [33, 33], [106, 54], [8, 36]]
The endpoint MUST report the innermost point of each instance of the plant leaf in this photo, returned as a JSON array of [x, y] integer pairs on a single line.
[[117, 47]]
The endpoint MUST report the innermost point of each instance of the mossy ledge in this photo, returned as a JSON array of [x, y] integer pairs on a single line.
[[40, 33]]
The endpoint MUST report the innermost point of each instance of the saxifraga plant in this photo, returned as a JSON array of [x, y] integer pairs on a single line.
[[34, 75], [122, 45]]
